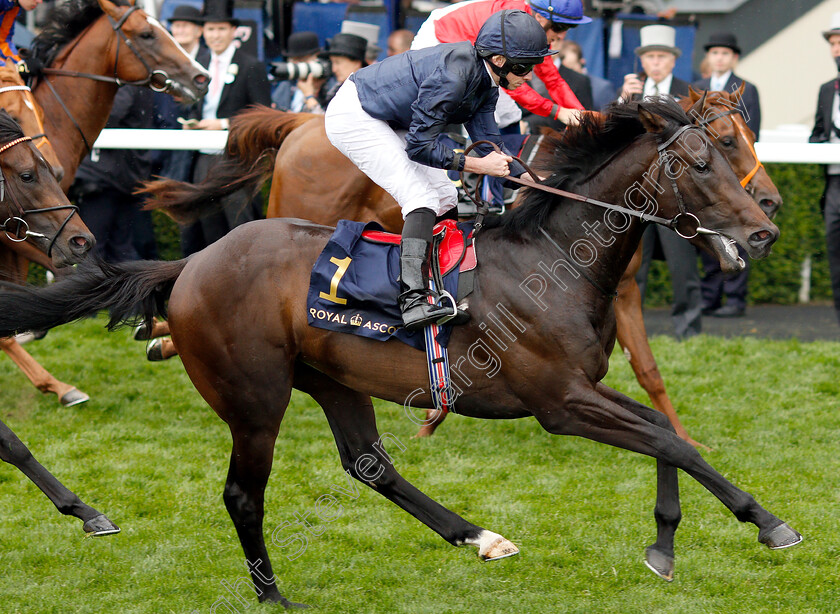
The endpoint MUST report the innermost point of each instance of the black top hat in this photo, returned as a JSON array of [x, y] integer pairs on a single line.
[[723, 39], [301, 44], [186, 12], [218, 11], [348, 45]]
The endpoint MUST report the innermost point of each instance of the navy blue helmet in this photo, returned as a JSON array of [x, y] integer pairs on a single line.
[[515, 35]]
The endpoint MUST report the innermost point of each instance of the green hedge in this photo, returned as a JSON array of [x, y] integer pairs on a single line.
[[776, 279]]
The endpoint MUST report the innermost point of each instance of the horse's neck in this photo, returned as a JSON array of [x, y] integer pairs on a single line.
[[598, 240], [88, 101]]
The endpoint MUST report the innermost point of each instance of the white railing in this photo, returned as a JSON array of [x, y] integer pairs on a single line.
[[786, 144]]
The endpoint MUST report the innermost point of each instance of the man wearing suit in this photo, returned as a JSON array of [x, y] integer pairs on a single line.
[[827, 130], [237, 80], [722, 52], [658, 55]]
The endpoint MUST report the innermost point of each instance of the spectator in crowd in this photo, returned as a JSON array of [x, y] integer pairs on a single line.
[[399, 41], [827, 130], [658, 55], [571, 56], [462, 21], [347, 53], [105, 181], [9, 10], [372, 53], [722, 52], [307, 94], [237, 80], [185, 26]]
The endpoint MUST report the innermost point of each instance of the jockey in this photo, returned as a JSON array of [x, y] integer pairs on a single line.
[[461, 22], [9, 10], [386, 118]]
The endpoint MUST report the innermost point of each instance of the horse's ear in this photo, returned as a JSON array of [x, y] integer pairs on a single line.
[[696, 109], [110, 9], [693, 94], [738, 94], [651, 121]]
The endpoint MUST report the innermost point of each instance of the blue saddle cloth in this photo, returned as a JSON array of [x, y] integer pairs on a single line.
[[354, 287]]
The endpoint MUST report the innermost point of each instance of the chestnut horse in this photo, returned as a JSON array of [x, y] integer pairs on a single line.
[[304, 158], [237, 311], [17, 100], [87, 50], [37, 211]]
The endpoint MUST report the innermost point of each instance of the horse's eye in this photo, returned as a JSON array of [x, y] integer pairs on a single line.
[[27, 177], [727, 141], [702, 169], [148, 35]]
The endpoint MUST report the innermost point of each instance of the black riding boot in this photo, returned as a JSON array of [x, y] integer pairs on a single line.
[[415, 249]]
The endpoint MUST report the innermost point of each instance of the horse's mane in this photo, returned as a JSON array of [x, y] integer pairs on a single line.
[[66, 22], [9, 128], [580, 151]]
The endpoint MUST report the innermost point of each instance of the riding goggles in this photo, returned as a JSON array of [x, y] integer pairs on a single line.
[[520, 69]]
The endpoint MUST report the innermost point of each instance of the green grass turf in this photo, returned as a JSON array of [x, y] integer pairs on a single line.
[[151, 455]]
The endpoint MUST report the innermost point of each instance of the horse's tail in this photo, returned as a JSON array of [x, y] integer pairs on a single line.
[[129, 290], [253, 140]]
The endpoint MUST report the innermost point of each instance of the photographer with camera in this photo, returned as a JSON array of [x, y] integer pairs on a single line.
[[304, 78]]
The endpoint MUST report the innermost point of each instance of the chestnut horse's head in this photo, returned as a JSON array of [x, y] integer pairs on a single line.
[[721, 117], [17, 100], [147, 52], [694, 177], [33, 206]]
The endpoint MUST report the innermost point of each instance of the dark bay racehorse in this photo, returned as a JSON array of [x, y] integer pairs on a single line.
[[36, 210], [237, 311], [312, 180]]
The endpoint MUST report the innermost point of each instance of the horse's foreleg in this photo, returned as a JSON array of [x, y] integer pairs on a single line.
[[41, 378], [434, 419], [363, 456], [15, 453], [606, 416], [632, 336]]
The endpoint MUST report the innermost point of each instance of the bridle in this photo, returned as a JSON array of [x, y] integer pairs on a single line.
[[758, 165], [15, 227], [41, 136], [149, 80], [684, 223]]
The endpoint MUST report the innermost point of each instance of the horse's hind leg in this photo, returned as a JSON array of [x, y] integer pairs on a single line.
[[42, 379], [15, 453], [363, 456]]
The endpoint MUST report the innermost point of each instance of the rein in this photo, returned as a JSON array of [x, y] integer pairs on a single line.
[[676, 223], [20, 232]]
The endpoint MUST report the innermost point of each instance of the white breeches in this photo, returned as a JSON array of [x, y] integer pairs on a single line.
[[379, 152]]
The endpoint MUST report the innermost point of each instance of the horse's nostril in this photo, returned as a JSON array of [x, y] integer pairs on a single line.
[[200, 79]]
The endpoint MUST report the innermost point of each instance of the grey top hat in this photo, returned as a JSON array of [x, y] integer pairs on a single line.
[[301, 44], [723, 39], [658, 38], [186, 12], [834, 28], [347, 45]]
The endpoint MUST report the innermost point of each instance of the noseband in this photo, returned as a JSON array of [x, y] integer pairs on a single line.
[[15, 227]]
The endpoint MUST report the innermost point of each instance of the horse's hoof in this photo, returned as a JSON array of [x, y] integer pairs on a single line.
[[73, 397], [499, 548], [99, 526], [780, 537], [154, 350], [142, 332], [659, 563]]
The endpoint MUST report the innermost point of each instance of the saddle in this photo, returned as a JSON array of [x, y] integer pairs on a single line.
[[451, 246], [354, 284]]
